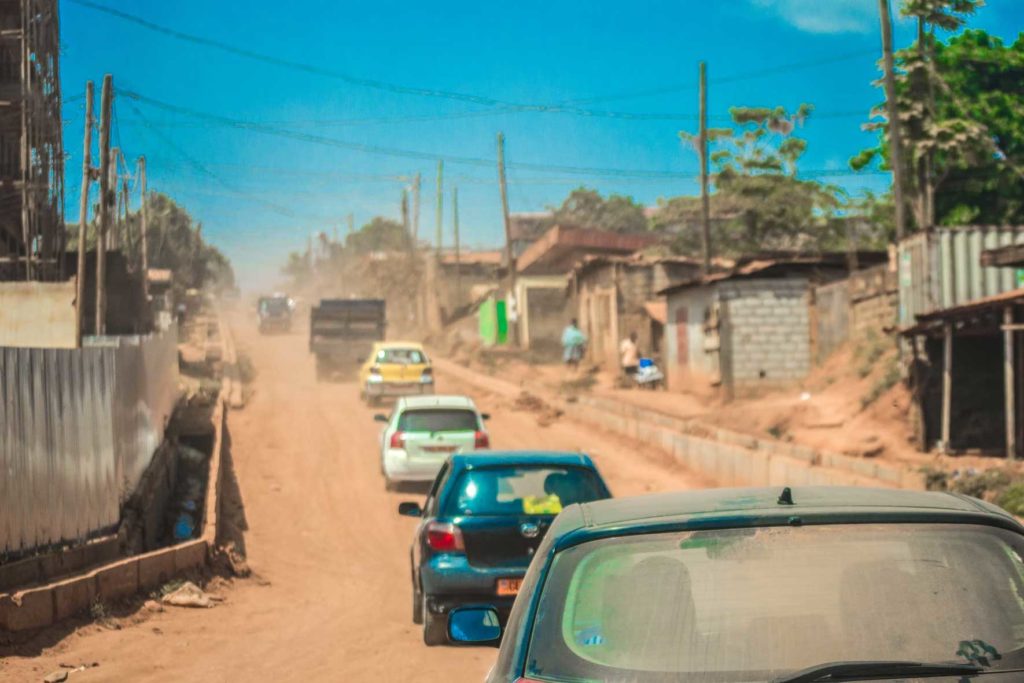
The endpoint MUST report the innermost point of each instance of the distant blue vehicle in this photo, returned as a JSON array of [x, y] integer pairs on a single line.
[[480, 526]]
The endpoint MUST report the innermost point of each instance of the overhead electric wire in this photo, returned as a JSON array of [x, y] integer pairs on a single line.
[[565, 107]]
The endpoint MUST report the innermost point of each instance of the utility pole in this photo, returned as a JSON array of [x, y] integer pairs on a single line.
[[143, 226], [440, 205], [509, 257], [351, 223], [416, 209], [114, 237], [83, 214], [106, 109], [705, 202], [405, 217], [892, 111], [458, 256]]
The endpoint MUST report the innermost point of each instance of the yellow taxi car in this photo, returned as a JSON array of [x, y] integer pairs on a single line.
[[396, 369]]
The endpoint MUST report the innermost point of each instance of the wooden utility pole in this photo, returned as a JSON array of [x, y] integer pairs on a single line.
[[440, 205], [83, 214], [416, 209], [406, 227], [143, 227], [892, 112], [509, 257], [1009, 382], [458, 255], [114, 236], [106, 109], [705, 202]]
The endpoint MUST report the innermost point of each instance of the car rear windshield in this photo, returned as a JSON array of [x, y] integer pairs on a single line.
[[438, 420], [274, 306], [753, 604], [401, 356], [518, 490]]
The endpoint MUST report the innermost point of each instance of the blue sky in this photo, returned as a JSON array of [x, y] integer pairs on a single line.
[[259, 196]]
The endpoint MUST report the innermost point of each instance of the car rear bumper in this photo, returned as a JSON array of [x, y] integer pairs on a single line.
[[454, 576], [443, 604], [399, 467], [388, 389]]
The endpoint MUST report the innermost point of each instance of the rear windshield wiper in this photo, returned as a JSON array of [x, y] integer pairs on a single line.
[[848, 671]]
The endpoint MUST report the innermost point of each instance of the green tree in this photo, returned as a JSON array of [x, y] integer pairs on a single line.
[[961, 113], [380, 234], [765, 204], [586, 208]]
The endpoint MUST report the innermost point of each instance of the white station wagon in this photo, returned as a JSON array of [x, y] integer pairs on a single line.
[[422, 431]]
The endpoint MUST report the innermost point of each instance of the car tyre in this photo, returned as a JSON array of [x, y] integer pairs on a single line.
[[435, 627]]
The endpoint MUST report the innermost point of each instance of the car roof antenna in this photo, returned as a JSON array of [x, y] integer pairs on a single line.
[[786, 498]]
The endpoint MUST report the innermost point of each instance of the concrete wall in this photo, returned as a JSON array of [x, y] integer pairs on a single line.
[[37, 314], [766, 330]]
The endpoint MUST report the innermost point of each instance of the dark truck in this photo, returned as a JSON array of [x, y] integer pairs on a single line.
[[342, 333], [275, 313]]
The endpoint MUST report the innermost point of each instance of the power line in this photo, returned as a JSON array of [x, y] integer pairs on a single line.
[[390, 151], [750, 75], [566, 107]]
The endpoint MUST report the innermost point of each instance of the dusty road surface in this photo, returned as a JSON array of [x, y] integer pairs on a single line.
[[330, 599]]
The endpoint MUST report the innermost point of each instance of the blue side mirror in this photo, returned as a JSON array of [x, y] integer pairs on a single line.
[[410, 509], [474, 625]]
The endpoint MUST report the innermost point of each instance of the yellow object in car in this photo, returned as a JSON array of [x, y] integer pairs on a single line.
[[538, 505]]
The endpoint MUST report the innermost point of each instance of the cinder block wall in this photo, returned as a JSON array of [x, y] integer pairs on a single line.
[[768, 330]]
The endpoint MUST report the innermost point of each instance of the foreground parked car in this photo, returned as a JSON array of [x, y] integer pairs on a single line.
[[813, 584], [481, 524], [422, 431]]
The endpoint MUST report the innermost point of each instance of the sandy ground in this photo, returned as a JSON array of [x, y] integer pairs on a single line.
[[330, 597]]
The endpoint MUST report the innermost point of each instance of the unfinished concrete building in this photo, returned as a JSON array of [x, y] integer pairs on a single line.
[[32, 237]]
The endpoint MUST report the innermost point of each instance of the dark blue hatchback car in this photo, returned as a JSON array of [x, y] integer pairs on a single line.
[[483, 519]]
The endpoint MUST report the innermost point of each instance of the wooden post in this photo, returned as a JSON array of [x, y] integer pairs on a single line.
[[705, 201], [106, 107], [1008, 385], [947, 384], [143, 228], [416, 210], [458, 254], [114, 236], [83, 214], [892, 113], [440, 206], [509, 256]]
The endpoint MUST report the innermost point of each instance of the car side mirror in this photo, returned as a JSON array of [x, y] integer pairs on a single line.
[[474, 625], [410, 509], [380, 417], [485, 416]]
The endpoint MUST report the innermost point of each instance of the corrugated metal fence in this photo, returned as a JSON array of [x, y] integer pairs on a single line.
[[830, 318], [77, 429], [943, 268]]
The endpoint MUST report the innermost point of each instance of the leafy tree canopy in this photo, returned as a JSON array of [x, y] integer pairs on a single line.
[[380, 234], [586, 208], [961, 116]]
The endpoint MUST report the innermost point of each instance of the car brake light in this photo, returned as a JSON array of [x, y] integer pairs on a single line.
[[481, 440], [398, 440], [445, 537], [527, 680]]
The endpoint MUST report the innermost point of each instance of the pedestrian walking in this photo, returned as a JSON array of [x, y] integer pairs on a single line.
[[574, 343]]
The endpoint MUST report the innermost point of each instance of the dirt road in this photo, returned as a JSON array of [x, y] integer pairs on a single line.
[[330, 600]]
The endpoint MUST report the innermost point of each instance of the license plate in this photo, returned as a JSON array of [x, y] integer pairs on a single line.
[[439, 449], [509, 586]]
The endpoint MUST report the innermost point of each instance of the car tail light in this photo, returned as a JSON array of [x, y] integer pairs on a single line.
[[481, 440], [445, 537], [527, 680], [398, 440]]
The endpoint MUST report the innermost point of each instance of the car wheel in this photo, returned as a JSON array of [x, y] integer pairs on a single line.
[[435, 627], [417, 603]]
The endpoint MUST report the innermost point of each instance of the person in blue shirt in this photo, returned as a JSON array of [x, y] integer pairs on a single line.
[[574, 344]]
